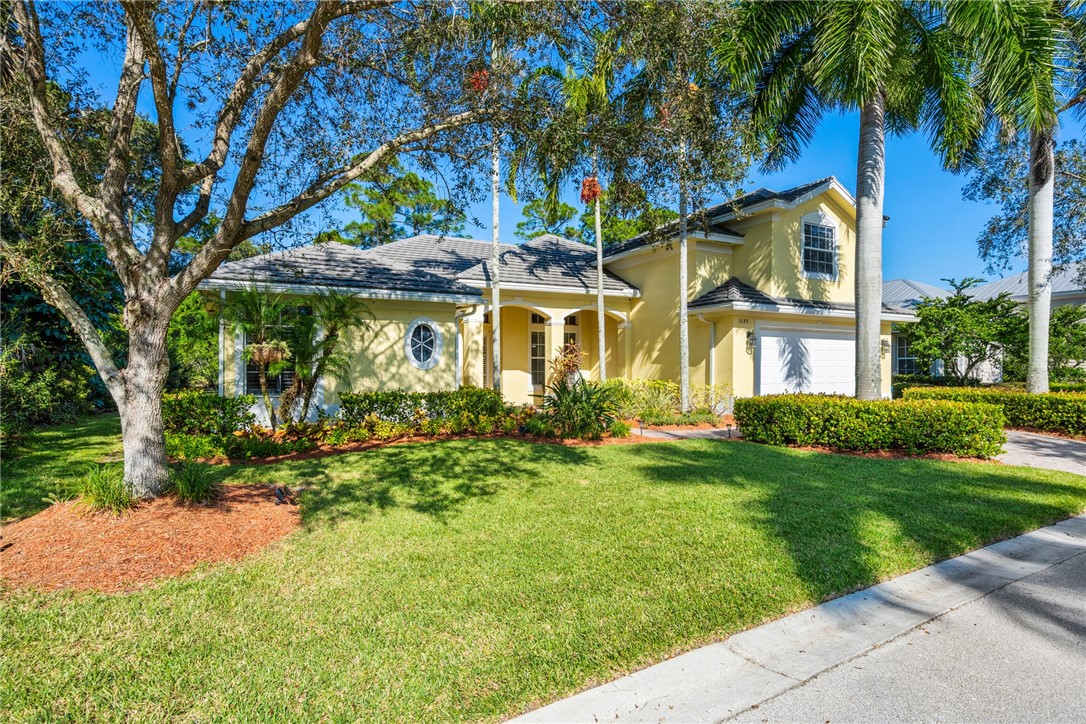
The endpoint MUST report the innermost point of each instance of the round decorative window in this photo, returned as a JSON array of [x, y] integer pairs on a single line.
[[422, 343]]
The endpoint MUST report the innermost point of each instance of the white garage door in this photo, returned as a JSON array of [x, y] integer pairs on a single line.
[[806, 361]]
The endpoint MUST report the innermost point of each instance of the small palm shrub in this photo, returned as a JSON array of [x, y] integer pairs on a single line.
[[619, 428], [102, 488], [580, 409], [193, 483]]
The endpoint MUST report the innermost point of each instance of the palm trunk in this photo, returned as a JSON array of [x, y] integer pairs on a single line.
[[1042, 163], [601, 318], [262, 373], [143, 430], [495, 273], [870, 187], [684, 322]]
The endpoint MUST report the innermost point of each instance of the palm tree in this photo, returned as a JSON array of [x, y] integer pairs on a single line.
[[889, 60], [258, 314], [1019, 49], [316, 344], [581, 129]]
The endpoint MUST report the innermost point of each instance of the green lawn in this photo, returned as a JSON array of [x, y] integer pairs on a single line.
[[473, 579], [50, 459]]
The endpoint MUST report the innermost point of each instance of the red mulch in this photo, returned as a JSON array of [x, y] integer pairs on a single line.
[[722, 422], [895, 455], [67, 546]]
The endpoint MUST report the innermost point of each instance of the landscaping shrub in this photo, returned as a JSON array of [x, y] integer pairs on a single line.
[[579, 409], [900, 383], [193, 483], [619, 428], [235, 447], [194, 412], [1055, 411], [1067, 386], [844, 423], [539, 426], [49, 396], [102, 488], [403, 407], [656, 399]]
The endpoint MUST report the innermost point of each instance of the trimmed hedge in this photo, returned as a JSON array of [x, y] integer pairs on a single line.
[[1056, 411], [900, 383], [844, 423], [194, 412], [402, 407]]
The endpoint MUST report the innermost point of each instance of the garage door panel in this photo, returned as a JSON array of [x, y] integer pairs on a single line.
[[806, 361]]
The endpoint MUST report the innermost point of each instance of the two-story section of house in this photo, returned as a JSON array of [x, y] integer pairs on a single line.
[[770, 296]]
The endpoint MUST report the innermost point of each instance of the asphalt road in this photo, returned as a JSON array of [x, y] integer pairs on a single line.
[[1015, 655]]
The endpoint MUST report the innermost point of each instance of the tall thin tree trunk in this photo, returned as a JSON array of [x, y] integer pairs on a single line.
[[601, 317], [684, 322], [1042, 162], [495, 260], [870, 187], [262, 373], [143, 431]]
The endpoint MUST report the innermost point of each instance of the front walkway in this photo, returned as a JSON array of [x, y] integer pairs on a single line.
[[1044, 451], [730, 678]]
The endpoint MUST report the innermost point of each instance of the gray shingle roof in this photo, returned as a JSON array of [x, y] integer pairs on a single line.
[[737, 205], [549, 261], [447, 255], [340, 265], [734, 290], [1066, 281], [909, 292]]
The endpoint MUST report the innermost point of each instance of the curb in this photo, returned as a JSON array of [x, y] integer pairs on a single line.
[[721, 680]]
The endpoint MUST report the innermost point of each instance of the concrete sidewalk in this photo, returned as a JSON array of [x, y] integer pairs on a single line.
[[726, 679]]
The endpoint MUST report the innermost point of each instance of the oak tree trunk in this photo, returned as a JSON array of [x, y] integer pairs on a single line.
[[1041, 190], [870, 187], [142, 427]]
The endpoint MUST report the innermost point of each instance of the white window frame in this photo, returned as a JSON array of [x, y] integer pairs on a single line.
[[818, 219], [536, 327], [438, 343], [902, 339]]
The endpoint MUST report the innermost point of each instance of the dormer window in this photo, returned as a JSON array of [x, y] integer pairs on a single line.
[[819, 251]]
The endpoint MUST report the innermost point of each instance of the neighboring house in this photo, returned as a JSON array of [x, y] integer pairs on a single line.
[[771, 292], [1067, 288]]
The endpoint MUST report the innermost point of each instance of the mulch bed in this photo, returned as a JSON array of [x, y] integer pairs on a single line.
[[67, 546], [896, 455]]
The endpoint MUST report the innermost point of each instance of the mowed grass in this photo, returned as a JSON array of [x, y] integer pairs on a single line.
[[50, 461], [476, 579]]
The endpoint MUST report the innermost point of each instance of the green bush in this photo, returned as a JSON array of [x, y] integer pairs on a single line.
[[343, 435], [50, 396], [403, 407], [193, 483], [900, 383], [619, 428], [102, 488], [843, 423], [181, 446], [1067, 386], [194, 412], [1063, 412], [579, 409], [539, 426], [656, 399]]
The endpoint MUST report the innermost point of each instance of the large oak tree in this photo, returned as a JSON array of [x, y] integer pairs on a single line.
[[280, 106]]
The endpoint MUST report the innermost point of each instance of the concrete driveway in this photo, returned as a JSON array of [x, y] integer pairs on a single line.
[[1044, 451]]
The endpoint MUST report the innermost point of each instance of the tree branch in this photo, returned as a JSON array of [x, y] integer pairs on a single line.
[[109, 224], [54, 293]]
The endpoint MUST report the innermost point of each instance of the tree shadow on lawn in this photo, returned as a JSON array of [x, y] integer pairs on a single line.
[[436, 478], [848, 522]]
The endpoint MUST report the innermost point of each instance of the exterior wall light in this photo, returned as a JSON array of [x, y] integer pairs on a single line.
[[885, 348], [750, 341]]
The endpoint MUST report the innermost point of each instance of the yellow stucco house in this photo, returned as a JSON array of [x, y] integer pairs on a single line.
[[770, 293]]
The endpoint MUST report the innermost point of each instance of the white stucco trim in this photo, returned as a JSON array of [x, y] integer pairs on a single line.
[[792, 309], [307, 289], [625, 293]]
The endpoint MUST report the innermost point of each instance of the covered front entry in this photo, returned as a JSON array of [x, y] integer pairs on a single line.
[[805, 359]]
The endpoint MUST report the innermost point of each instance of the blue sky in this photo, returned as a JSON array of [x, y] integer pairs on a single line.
[[932, 233]]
